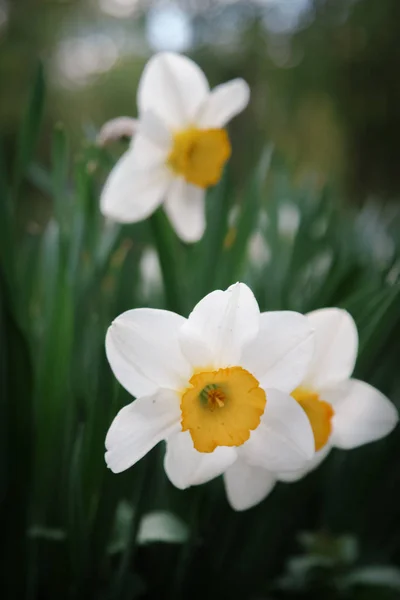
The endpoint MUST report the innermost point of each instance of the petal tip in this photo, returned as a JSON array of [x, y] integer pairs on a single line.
[[109, 461], [245, 90]]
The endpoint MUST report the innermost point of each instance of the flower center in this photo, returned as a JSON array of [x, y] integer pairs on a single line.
[[319, 413], [220, 408], [199, 155]]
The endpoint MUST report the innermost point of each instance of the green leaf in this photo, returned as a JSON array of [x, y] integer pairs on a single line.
[[162, 526], [219, 201], [374, 576], [30, 129], [60, 156], [6, 226], [16, 447], [248, 217]]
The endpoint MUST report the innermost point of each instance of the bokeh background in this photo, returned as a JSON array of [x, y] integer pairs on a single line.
[[307, 213], [323, 72]]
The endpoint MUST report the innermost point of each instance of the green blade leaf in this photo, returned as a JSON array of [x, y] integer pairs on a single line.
[[30, 128]]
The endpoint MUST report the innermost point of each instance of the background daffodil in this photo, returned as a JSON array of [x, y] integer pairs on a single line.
[[215, 386], [180, 146]]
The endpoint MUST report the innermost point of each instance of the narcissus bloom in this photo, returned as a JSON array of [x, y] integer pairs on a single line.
[[180, 146], [214, 386], [343, 412]]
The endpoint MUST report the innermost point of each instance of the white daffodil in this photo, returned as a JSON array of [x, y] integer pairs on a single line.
[[214, 386], [343, 412], [180, 146]]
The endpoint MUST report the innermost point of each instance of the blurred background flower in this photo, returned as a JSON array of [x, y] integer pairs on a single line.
[[323, 72]]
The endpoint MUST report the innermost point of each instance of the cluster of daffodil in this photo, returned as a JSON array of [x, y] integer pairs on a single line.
[[257, 397]]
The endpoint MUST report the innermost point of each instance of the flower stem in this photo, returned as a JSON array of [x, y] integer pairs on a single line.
[[168, 257]]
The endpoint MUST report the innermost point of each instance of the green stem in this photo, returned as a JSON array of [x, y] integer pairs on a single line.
[[167, 255], [188, 548], [142, 492], [220, 200]]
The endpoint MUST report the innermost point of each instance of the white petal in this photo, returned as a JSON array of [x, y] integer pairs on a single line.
[[195, 350], [173, 87], [149, 147], [154, 130], [185, 466], [281, 353], [115, 129], [132, 194], [138, 427], [225, 321], [362, 414], [290, 476], [185, 208], [336, 345], [284, 440], [247, 485], [224, 102], [125, 371], [144, 342]]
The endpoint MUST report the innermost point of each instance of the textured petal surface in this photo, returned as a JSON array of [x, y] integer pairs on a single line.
[[185, 208], [224, 321], [281, 353], [224, 102], [144, 342], [247, 485], [131, 193], [290, 476], [284, 440], [173, 87], [362, 414], [185, 466], [336, 345], [138, 427]]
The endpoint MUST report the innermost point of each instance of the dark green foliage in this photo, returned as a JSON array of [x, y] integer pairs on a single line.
[[70, 528]]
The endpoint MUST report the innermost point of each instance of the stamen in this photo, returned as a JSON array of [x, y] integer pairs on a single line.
[[216, 398], [212, 396]]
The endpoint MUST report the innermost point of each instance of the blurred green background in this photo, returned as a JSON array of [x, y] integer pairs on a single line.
[[323, 72], [307, 214]]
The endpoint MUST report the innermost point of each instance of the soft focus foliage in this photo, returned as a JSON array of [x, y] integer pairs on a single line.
[[322, 73]]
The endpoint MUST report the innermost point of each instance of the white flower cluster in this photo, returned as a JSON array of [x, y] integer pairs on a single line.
[[257, 397]]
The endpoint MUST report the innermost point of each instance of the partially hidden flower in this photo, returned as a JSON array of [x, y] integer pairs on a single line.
[[343, 412], [179, 148], [215, 386]]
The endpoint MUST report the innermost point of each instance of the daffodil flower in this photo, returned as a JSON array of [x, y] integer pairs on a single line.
[[180, 146], [215, 386], [343, 412]]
